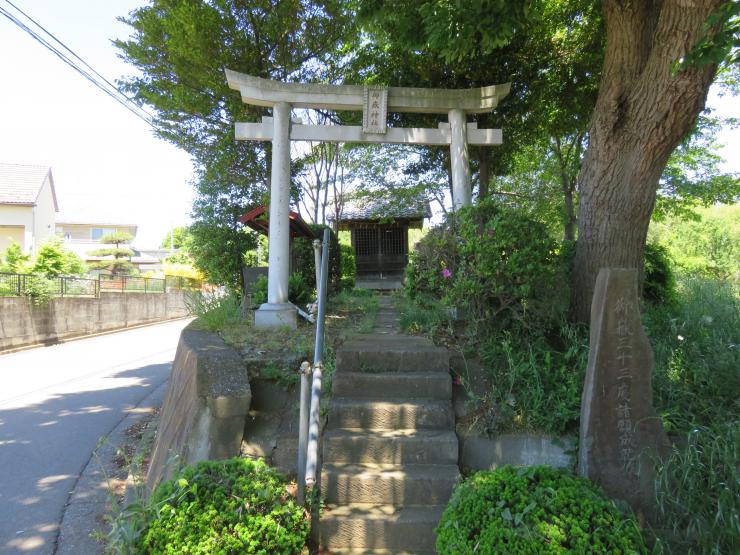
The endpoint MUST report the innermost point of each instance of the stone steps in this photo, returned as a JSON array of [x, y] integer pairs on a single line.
[[391, 446], [389, 449], [424, 484], [407, 385], [363, 526], [390, 414]]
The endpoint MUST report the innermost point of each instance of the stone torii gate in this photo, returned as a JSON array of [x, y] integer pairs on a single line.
[[375, 103]]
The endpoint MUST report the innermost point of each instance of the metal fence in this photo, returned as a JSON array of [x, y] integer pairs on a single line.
[[16, 285]]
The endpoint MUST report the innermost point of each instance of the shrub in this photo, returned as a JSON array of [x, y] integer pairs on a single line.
[[659, 284], [534, 510], [224, 507], [698, 494], [305, 263], [496, 263], [299, 292], [349, 266]]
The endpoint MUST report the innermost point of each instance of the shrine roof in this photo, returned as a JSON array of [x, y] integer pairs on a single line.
[[258, 220], [381, 210]]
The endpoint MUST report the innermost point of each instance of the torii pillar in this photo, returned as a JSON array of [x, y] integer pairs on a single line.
[[375, 103]]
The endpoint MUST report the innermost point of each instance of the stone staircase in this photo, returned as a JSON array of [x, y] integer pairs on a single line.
[[389, 449]]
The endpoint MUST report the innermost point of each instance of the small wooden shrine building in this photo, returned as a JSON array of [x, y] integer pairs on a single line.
[[380, 240]]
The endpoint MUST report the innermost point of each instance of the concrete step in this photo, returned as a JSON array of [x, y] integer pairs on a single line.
[[407, 385], [390, 447], [392, 353], [410, 484], [377, 527], [390, 414]]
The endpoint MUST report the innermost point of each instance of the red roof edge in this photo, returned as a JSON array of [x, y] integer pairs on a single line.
[[257, 220]]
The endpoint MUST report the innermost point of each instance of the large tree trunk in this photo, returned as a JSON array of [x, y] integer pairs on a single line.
[[642, 112]]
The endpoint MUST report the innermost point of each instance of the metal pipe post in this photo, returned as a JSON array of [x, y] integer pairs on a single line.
[[303, 430], [313, 428]]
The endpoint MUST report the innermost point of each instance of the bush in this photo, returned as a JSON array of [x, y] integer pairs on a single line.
[[299, 292], [305, 262], [534, 510], [349, 266], [659, 284], [698, 494], [497, 264], [225, 507]]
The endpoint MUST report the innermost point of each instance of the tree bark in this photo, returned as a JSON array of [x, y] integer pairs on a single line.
[[642, 112]]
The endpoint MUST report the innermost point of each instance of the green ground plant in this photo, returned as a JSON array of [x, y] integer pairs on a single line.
[[698, 494], [215, 311], [218, 507], [534, 510]]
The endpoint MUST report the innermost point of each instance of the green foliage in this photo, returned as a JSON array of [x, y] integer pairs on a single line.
[[178, 258], [495, 263], [659, 284], [305, 260], [534, 510], [52, 259], [41, 289], [698, 493], [214, 311], [14, 261], [117, 238], [299, 292], [348, 272], [218, 507], [705, 245], [695, 341], [537, 381], [178, 238], [120, 264], [721, 40]]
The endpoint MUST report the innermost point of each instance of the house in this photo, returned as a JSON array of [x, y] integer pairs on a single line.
[[380, 239], [28, 206], [82, 235]]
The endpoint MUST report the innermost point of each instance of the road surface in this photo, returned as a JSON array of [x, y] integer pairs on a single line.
[[56, 403]]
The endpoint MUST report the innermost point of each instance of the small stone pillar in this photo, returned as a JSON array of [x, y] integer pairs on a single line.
[[459, 160], [277, 311], [620, 432]]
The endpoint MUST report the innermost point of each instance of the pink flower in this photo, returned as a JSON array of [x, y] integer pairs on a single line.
[[446, 273]]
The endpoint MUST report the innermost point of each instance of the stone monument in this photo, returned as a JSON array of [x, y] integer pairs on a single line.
[[620, 433]]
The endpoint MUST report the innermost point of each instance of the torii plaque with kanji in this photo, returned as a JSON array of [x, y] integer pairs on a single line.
[[374, 109]]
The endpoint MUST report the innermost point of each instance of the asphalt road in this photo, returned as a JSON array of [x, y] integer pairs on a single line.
[[56, 403]]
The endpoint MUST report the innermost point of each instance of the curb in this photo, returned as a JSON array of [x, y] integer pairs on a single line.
[[54, 342], [90, 498]]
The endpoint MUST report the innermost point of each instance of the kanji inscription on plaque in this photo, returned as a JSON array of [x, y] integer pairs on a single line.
[[374, 109]]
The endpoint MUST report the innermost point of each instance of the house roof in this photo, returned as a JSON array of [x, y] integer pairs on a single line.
[[90, 219], [21, 184], [369, 210], [258, 220]]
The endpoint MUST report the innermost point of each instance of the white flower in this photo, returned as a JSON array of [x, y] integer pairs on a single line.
[[680, 337]]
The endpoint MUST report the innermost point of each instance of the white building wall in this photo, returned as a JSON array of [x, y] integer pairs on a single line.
[[44, 215], [16, 215]]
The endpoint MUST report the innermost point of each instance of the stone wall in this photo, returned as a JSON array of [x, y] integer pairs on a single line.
[[206, 405], [22, 323]]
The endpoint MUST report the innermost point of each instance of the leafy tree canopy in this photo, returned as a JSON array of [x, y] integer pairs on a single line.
[[52, 259]]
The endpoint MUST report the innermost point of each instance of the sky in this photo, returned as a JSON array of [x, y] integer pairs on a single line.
[[105, 161]]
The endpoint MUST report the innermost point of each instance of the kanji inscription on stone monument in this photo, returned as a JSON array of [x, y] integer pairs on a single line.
[[620, 431], [375, 109]]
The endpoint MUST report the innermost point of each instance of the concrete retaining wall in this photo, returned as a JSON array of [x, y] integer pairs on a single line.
[[23, 323], [206, 405], [483, 453]]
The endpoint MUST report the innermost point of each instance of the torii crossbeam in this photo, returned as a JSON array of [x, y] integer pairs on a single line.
[[375, 103]]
